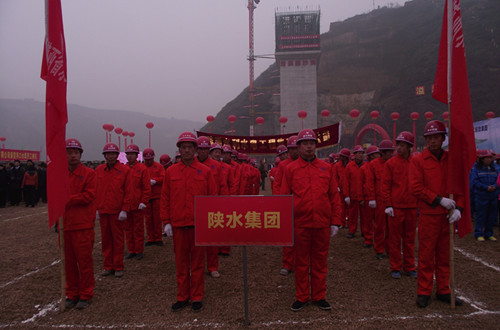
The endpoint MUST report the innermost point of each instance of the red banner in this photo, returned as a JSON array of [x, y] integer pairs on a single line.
[[266, 144], [244, 220], [22, 155]]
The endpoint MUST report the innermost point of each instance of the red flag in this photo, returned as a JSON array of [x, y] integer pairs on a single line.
[[56, 115], [452, 86]]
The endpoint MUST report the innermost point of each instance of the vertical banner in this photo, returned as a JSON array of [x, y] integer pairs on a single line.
[[56, 116]]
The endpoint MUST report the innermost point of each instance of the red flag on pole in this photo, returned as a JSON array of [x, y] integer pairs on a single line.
[[56, 115], [451, 86]]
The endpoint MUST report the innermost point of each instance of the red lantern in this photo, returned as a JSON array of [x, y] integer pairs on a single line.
[[2, 138], [325, 113], [232, 118], [118, 130], [374, 114], [428, 115], [150, 125], [446, 115], [490, 114], [125, 133], [354, 113], [414, 115], [259, 120], [302, 114], [283, 120], [131, 134], [210, 118], [395, 115]]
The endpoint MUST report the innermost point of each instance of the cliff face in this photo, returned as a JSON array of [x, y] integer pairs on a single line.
[[375, 62]]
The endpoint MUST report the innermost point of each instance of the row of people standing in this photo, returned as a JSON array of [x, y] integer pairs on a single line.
[[20, 183]]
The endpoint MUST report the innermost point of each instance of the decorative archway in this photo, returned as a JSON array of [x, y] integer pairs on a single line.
[[368, 128]]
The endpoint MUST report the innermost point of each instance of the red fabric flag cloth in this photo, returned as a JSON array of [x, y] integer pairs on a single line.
[[56, 115], [462, 144]]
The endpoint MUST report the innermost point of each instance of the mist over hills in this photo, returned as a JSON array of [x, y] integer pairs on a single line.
[[23, 124], [375, 61]]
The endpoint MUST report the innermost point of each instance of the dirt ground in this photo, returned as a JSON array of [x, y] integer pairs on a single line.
[[360, 288]]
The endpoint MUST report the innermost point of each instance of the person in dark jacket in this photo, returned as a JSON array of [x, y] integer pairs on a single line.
[[4, 185], [42, 182], [16, 179], [30, 185]]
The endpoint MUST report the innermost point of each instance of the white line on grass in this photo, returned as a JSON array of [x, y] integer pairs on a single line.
[[473, 257], [44, 311], [24, 216], [29, 274]]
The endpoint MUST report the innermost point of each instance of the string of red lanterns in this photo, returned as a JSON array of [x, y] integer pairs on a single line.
[[394, 117], [149, 126], [283, 121]]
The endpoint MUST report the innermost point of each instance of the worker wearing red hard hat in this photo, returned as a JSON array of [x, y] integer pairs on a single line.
[[429, 184], [316, 219], [78, 229], [353, 189], [225, 169], [152, 211], [401, 208], [372, 153], [165, 161], [339, 172], [376, 201], [139, 184], [272, 172], [113, 203], [288, 259], [183, 181]]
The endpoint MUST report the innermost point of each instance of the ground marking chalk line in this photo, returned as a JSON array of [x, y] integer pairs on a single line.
[[29, 274], [24, 216], [473, 257]]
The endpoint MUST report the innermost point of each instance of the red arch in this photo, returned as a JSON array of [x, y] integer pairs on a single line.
[[371, 127]]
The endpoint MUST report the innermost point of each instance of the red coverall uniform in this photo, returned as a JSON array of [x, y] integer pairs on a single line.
[[272, 176], [180, 186], [374, 192], [316, 207], [79, 225], [245, 180], [428, 179], [152, 211], [288, 259], [234, 186], [368, 214], [339, 172], [112, 197], [226, 178], [403, 226], [256, 178], [353, 188], [140, 192], [213, 251]]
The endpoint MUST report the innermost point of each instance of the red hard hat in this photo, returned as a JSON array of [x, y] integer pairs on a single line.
[[203, 142], [386, 145], [186, 137], [148, 153], [234, 153], [277, 161], [110, 147], [332, 155], [132, 148], [434, 127], [345, 152], [372, 150], [292, 141], [407, 137], [165, 159], [241, 156], [484, 153], [307, 134], [227, 148], [358, 148], [253, 161], [177, 154], [281, 149], [73, 144], [215, 146]]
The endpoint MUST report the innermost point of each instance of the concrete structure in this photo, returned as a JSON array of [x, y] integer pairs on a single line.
[[297, 53]]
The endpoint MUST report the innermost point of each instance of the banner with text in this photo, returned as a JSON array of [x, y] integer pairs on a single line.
[[21, 155], [266, 144], [244, 220]]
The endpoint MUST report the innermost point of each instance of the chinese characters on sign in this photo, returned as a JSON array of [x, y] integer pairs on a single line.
[[244, 220], [22, 155], [420, 90]]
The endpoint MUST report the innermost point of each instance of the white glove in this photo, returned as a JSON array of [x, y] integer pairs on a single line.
[[372, 204], [168, 230], [389, 211], [142, 206], [455, 216], [97, 217], [447, 203], [271, 178], [153, 182], [122, 216], [333, 230], [347, 200]]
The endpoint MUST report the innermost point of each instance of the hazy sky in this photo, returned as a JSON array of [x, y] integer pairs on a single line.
[[183, 59]]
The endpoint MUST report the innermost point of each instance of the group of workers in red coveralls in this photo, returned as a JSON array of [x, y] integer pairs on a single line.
[[383, 193]]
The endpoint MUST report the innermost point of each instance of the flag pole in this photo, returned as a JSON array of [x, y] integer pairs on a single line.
[[63, 264], [449, 73]]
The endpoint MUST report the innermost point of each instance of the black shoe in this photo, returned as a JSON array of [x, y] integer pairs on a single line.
[[367, 245], [197, 306], [379, 256], [298, 305], [224, 255], [447, 298], [323, 304], [82, 304], [159, 243], [423, 301], [179, 305], [70, 303], [139, 256], [350, 235], [130, 255], [149, 243]]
